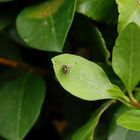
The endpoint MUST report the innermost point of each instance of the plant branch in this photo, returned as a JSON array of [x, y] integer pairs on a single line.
[[132, 97], [24, 66], [134, 104]]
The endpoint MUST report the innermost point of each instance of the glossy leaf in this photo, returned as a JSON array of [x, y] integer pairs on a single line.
[[99, 44], [117, 132], [129, 12], [86, 132], [130, 120], [83, 79], [126, 56], [124, 134], [45, 26], [98, 10], [20, 104]]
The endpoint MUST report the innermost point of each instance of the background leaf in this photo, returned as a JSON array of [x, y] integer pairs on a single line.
[[117, 132], [130, 120], [46, 25], [86, 132], [126, 56], [88, 35], [83, 79], [98, 10], [129, 12], [21, 101]]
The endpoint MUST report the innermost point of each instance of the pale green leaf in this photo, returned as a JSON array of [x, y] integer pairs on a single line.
[[20, 105], [126, 56], [129, 12], [83, 78], [86, 132], [130, 120], [45, 26], [121, 133], [117, 132]]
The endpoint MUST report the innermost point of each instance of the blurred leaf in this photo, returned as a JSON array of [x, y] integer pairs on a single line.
[[83, 79], [119, 133], [112, 76], [99, 10], [116, 132], [45, 26], [21, 101], [130, 120], [10, 50], [99, 41], [74, 108], [129, 12], [88, 35], [86, 132], [126, 56]]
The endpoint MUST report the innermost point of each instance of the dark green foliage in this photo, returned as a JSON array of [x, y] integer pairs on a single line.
[[50, 48]]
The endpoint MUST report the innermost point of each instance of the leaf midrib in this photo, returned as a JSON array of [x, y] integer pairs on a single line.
[[90, 83], [131, 62], [20, 106]]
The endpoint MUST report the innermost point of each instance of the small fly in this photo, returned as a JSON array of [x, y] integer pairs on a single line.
[[66, 68]]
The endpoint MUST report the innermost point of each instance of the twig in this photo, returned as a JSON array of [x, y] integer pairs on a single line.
[[29, 68]]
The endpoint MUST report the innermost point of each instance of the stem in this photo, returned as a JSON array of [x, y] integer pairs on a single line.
[[136, 105], [24, 66], [125, 102], [130, 103], [132, 97], [136, 89]]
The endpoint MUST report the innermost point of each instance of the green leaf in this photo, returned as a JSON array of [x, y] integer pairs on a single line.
[[82, 78], [88, 33], [119, 133], [86, 132], [45, 26], [99, 44], [126, 56], [129, 12], [130, 120], [98, 10], [20, 105]]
